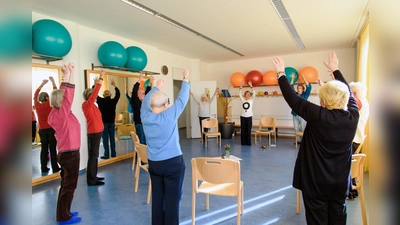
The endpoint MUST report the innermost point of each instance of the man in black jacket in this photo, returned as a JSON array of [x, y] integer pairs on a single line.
[[107, 106], [136, 102]]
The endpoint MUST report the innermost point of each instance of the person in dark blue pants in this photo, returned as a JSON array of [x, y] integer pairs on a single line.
[[166, 164]]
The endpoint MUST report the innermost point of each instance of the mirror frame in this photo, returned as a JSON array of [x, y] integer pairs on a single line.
[[87, 72]]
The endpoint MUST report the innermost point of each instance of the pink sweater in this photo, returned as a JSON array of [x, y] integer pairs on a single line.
[[64, 122]]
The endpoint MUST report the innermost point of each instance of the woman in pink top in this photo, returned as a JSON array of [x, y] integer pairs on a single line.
[[68, 135]]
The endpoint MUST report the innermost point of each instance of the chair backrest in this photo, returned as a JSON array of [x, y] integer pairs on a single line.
[[215, 171], [119, 118], [209, 123], [142, 152], [135, 138], [267, 122], [125, 129], [360, 146], [357, 169]]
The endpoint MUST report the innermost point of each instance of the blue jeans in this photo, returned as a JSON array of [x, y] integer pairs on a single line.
[[140, 133], [299, 125], [109, 134]]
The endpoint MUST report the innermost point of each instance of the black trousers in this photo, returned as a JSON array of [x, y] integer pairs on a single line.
[[201, 128], [48, 142], [167, 182], [246, 124], [69, 162], [325, 212], [93, 155], [33, 130]]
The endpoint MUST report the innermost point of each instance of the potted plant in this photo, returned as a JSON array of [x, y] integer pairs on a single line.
[[226, 128], [228, 150]]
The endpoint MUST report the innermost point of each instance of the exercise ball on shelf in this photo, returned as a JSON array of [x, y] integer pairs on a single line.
[[112, 53], [289, 71], [237, 79], [50, 38], [310, 73], [255, 77], [137, 58], [265, 92], [270, 78], [275, 92]]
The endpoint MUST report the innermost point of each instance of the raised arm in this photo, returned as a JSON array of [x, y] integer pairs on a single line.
[[97, 85], [36, 95], [215, 94], [179, 105], [240, 92], [195, 99], [253, 96], [148, 88], [69, 88], [53, 82]]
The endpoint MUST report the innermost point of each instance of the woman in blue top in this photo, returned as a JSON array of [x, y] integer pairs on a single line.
[[302, 91], [166, 165]]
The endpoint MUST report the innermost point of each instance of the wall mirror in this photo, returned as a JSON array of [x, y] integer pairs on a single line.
[[124, 82]]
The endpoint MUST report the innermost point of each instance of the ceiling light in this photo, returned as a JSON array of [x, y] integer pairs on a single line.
[[176, 24], [284, 15]]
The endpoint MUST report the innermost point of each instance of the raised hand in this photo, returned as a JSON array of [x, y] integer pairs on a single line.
[[152, 80], [102, 74], [112, 82], [320, 82], [250, 83], [332, 76], [185, 73], [333, 62], [51, 79], [216, 90], [160, 84], [293, 76], [64, 70], [278, 63], [44, 82]]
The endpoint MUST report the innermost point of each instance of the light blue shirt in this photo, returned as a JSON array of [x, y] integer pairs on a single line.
[[161, 130]]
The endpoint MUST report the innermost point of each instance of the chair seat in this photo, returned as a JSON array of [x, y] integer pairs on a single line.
[[226, 189], [212, 133]]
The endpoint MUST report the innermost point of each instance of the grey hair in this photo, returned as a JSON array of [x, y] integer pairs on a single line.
[[56, 98], [360, 89], [158, 99], [43, 97], [87, 93]]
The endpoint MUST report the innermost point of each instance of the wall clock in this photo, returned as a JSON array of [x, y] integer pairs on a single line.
[[164, 70]]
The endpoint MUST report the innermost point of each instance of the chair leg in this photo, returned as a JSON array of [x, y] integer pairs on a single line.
[[193, 206], [207, 202], [275, 137], [363, 209], [119, 147], [298, 202], [206, 140], [137, 176], [133, 160], [238, 209], [255, 138], [295, 140], [149, 192]]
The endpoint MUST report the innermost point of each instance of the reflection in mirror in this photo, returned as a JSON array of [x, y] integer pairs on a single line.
[[44, 159], [123, 142]]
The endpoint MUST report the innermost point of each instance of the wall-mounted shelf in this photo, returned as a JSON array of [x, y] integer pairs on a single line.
[[47, 58], [126, 69], [264, 85]]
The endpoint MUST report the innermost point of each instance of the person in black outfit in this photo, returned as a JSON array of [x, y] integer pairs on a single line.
[[136, 102], [107, 106], [322, 169]]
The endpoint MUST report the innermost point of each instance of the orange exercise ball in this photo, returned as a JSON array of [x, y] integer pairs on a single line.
[[310, 73], [255, 77], [270, 78], [237, 79]]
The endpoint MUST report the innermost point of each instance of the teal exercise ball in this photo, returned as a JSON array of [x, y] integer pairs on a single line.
[[289, 71], [137, 58], [15, 38], [50, 38], [112, 53]]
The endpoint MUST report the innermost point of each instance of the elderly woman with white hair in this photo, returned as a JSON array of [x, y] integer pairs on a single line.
[[204, 108], [166, 164], [322, 169], [68, 135]]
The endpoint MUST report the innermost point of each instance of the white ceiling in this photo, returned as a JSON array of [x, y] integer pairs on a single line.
[[251, 27]]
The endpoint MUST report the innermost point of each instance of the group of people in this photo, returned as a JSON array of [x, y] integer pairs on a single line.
[[322, 168]]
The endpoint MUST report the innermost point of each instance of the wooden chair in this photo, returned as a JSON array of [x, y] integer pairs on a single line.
[[298, 196], [136, 141], [123, 133], [212, 125], [218, 177], [142, 157], [298, 134], [360, 146], [266, 126], [357, 172]]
